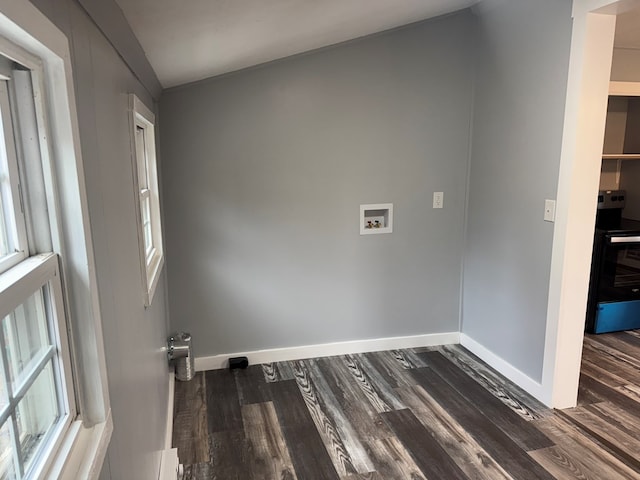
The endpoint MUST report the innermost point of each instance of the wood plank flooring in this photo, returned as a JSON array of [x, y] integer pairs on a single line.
[[433, 413]]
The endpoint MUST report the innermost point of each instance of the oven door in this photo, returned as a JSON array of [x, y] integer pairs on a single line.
[[616, 281], [620, 273]]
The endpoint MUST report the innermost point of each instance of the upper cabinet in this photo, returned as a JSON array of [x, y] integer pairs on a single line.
[[622, 130]]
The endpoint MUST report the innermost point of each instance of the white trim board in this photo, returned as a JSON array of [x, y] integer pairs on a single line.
[[216, 362], [588, 87], [168, 437], [169, 465], [85, 453], [504, 368], [625, 89]]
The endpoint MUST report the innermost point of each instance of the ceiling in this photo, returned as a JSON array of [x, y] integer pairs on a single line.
[[195, 39]]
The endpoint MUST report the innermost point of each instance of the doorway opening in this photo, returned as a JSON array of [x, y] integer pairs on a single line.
[[592, 51]]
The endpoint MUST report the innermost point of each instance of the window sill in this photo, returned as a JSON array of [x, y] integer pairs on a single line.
[[82, 453]]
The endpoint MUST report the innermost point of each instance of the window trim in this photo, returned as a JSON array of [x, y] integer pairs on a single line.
[[151, 262], [18, 233], [85, 444], [18, 283]]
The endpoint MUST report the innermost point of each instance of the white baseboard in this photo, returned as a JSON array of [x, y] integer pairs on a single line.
[[169, 465], [169, 431], [327, 349], [504, 368]]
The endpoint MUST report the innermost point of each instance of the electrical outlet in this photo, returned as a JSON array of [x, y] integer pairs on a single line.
[[438, 199], [549, 210]]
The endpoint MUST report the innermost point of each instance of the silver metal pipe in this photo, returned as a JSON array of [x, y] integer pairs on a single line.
[[180, 354]]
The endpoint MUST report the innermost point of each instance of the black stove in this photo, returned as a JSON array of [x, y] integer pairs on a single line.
[[614, 286]]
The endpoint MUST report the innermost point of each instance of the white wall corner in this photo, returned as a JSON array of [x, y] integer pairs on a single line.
[[328, 349], [581, 157]]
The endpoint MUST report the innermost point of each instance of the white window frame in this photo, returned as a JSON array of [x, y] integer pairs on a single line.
[[83, 446], [151, 250], [10, 191], [16, 285]]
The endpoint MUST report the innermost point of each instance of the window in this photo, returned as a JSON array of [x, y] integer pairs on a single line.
[[148, 204], [36, 392], [12, 224], [37, 400], [52, 424]]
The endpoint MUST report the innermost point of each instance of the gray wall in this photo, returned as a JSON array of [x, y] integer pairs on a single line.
[[264, 171], [521, 77], [133, 336]]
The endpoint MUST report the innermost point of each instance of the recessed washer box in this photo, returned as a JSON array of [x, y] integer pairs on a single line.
[[376, 218]]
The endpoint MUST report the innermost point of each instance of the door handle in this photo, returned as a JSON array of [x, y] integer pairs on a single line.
[[621, 239]]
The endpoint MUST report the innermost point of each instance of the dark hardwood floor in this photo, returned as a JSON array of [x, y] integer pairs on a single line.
[[435, 413]]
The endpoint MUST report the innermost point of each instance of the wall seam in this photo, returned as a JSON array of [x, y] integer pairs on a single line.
[[153, 90], [465, 212]]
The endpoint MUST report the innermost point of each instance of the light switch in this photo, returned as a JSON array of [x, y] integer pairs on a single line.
[[549, 210], [438, 199]]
